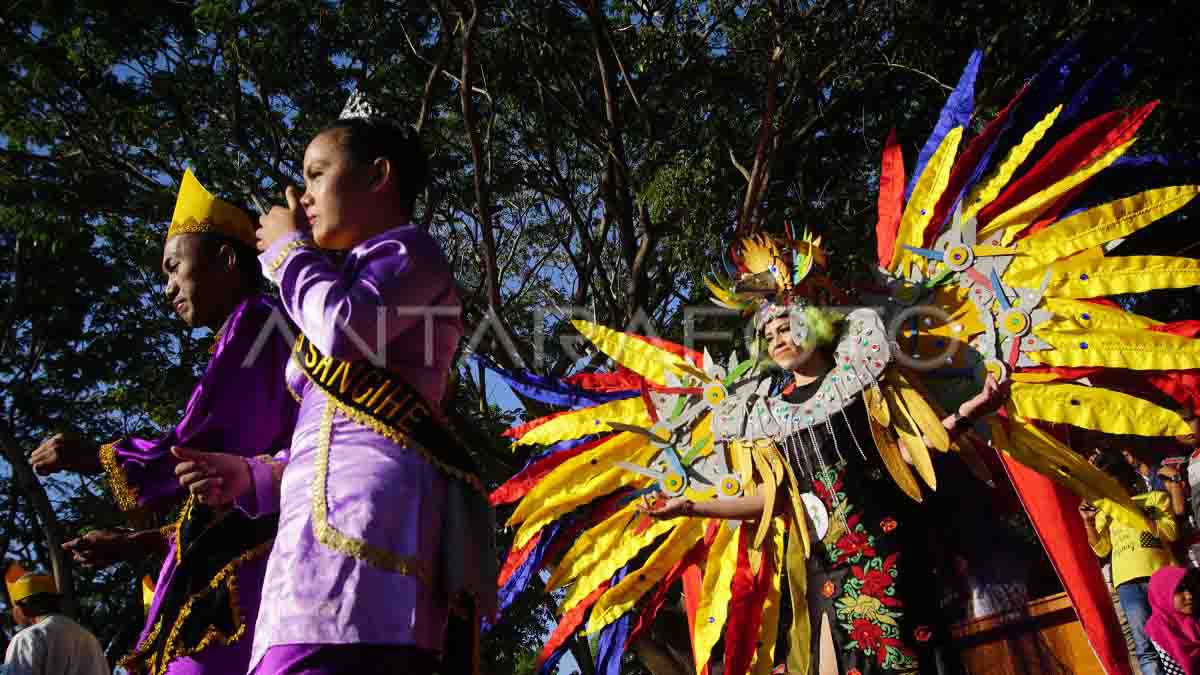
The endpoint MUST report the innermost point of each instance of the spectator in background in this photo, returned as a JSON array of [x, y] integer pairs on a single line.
[[51, 642], [1173, 628], [1137, 553], [1145, 469]]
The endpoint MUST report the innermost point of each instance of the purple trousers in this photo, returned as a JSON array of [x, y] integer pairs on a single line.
[[308, 659]]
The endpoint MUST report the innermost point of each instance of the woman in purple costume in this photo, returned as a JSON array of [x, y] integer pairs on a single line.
[[206, 598], [381, 531]]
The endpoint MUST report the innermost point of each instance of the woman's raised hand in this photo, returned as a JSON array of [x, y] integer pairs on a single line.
[[214, 477], [987, 401], [281, 221]]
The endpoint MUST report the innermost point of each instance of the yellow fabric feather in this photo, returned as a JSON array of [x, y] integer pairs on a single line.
[[593, 420], [717, 589], [1099, 225], [577, 471], [926, 421], [772, 476], [1068, 315], [1094, 408], [1133, 349], [877, 406], [1019, 217], [986, 191], [798, 513], [606, 561], [637, 355], [908, 433], [578, 487], [924, 197], [962, 318], [1096, 277], [606, 533], [799, 638], [1045, 454], [621, 598], [889, 452]]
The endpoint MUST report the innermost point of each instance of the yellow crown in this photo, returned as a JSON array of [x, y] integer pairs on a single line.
[[198, 211], [22, 584]]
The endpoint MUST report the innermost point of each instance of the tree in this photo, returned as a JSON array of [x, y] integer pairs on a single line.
[[588, 157]]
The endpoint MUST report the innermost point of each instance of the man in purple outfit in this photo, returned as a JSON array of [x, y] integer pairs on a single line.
[[206, 599]]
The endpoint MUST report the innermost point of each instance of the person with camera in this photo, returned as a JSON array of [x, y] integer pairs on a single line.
[[1138, 550]]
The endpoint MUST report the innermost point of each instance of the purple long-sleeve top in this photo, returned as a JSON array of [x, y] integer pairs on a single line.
[[360, 515], [240, 405]]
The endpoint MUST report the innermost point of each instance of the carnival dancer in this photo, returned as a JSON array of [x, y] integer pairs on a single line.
[[870, 538], [206, 598], [383, 523], [51, 643], [987, 260]]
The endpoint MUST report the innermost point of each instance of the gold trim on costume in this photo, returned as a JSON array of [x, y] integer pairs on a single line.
[[330, 536], [159, 661], [184, 514], [391, 382], [118, 480], [286, 251]]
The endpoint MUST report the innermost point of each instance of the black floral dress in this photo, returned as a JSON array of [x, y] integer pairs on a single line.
[[869, 574]]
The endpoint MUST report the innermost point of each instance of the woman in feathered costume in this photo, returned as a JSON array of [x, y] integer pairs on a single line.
[[991, 260]]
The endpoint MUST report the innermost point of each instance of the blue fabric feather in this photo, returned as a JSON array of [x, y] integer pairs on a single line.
[[610, 646], [1040, 95], [525, 573], [1096, 95], [552, 391], [956, 113]]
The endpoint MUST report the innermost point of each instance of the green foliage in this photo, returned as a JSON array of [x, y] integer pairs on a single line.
[[614, 143]]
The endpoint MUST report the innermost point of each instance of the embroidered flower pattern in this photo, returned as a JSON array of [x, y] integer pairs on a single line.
[[922, 633], [868, 608]]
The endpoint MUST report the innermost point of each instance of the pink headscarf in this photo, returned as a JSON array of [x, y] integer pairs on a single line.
[[1174, 632]]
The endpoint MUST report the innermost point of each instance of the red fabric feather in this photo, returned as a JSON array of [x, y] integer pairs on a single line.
[[745, 608], [693, 582], [622, 380], [1053, 511], [1091, 139], [569, 623], [517, 557], [891, 199], [1051, 214]]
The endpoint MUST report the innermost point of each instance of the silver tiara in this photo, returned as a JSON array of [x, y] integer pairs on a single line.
[[359, 106]]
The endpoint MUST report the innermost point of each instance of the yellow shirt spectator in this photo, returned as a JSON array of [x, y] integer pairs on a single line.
[[1137, 553]]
